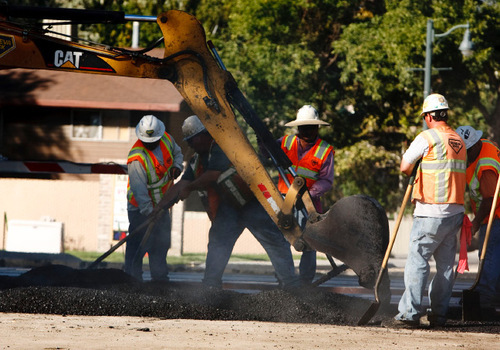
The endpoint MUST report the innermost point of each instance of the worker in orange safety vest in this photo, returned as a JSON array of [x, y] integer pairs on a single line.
[[483, 169], [312, 159], [438, 194], [154, 161], [231, 206]]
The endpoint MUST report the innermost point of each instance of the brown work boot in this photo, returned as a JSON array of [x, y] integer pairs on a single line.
[[393, 323]]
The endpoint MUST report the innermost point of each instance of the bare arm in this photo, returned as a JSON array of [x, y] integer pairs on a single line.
[[171, 196], [487, 187], [406, 168], [206, 179]]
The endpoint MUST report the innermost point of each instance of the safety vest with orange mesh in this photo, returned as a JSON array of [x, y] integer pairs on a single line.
[[441, 175], [158, 179], [309, 166], [488, 159], [209, 197]]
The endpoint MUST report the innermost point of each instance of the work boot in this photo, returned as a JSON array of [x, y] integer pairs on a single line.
[[432, 321], [393, 323]]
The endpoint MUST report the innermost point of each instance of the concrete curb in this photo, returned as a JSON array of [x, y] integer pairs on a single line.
[[31, 260]]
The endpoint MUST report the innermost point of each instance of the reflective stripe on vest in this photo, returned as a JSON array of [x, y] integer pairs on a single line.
[[441, 175], [488, 159], [209, 197], [309, 165], [158, 179]]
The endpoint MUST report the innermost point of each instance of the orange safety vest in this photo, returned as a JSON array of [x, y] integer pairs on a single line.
[[309, 166], [441, 174], [488, 159], [158, 179], [209, 197]]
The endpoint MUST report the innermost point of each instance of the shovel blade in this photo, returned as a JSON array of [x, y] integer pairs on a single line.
[[471, 305], [356, 231], [368, 315]]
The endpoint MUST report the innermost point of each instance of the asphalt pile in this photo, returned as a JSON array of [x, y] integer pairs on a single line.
[[62, 290], [110, 292]]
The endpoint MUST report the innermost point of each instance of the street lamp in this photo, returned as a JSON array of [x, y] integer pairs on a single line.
[[465, 47]]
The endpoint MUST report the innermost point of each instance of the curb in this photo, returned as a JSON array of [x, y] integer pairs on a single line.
[[395, 265]]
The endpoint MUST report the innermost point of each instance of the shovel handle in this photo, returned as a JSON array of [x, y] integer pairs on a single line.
[[151, 219], [372, 310], [396, 227], [406, 198], [142, 247], [120, 243], [491, 218], [487, 235]]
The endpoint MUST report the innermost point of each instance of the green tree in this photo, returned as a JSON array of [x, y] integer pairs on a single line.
[[281, 54], [355, 61], [377, 57]]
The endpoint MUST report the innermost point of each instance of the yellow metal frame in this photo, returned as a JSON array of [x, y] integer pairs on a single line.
[[190, 66]]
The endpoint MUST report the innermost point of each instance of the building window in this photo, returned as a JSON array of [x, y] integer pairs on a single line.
[[86, 124], [115, 125]]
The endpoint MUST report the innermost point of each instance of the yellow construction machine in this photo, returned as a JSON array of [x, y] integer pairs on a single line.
[[354, 230]]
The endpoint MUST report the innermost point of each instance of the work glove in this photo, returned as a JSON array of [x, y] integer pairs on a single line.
[[174, 172]]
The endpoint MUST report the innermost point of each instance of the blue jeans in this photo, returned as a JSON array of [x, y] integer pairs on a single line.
[[430, 237], [228, 225], [157, 247], [307, 265], [489, 283]]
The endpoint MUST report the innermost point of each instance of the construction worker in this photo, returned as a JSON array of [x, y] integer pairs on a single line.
[[483, 168], [208, 170], [154, 162], [312, 159], [438, 194]]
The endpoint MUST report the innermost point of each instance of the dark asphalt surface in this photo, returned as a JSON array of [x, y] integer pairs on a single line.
[[251, 294]]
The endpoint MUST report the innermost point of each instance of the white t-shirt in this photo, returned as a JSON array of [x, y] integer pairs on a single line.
[[419, 149]]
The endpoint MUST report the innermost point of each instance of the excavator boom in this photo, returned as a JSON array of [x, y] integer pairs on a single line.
[[211, 93], [187, 63]]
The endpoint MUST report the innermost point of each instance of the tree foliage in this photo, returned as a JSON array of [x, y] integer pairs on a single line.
[[359, 62]]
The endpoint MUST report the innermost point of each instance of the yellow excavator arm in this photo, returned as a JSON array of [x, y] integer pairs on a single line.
[[211, 92], [187, 63]]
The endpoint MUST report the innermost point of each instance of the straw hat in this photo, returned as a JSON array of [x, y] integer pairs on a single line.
[[307, 115]]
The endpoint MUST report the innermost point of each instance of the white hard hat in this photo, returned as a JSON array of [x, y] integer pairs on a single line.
[[150, 129], [434, 102], [307, 115], [192, 126], [469, 135]]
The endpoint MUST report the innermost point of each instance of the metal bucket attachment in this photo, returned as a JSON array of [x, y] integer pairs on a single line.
[[356, 231]]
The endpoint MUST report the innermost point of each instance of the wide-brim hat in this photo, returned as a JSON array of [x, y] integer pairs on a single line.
[[306, 122], [307, 115], [469, 135]]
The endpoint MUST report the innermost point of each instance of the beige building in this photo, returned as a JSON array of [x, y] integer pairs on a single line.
[[90, 119], [85, 118]]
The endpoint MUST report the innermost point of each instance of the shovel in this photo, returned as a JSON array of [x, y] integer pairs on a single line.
[[142, 247], [471, 306], [149, 222], [372, 310]]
